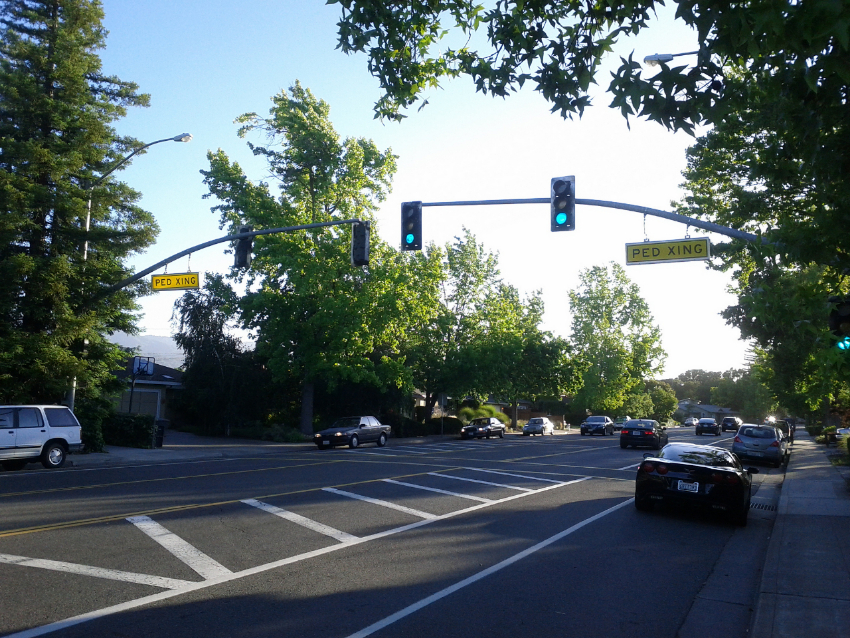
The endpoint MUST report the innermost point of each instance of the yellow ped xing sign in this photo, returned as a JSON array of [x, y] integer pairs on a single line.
[[177, 281], [662, 252]]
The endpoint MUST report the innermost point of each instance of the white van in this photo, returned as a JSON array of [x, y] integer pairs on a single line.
[[37, 432]]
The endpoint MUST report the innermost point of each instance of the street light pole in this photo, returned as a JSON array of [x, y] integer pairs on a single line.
[[183, 137], [663, 58]]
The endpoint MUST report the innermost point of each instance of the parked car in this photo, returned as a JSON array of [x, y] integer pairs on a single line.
[[695, 475], [538, 425], [352, 431], [760, 443], [483, 427], [708, 425], [597, 425], [691, 421], [620, 421], [730, 423], [641, 432], [37, 432]]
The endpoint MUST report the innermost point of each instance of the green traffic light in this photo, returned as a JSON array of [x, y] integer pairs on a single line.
[[561, 218], [844, 344], [409, 238]]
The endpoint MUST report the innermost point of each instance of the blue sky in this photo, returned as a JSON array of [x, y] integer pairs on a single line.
[[205, 63]]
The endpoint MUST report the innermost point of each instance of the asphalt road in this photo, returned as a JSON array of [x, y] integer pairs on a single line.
[[506, 537]]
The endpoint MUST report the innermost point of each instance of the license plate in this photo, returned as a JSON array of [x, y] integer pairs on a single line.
[[756, 453], [688, 487]]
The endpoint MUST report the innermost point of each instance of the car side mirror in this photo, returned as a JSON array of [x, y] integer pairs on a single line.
[[752, 470], [647, 455]]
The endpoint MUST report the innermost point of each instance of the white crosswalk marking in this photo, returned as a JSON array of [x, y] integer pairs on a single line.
[[461, 478], [393, 506], [533, 478], [96, 572], [434, 489], [302, 520], [193, 557]]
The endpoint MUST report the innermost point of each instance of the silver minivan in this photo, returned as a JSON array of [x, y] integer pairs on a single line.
[[46, 433]]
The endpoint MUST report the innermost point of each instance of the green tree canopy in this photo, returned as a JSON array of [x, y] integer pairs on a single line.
[[56, 139], [613, 331], [315, 316], [558, 47]]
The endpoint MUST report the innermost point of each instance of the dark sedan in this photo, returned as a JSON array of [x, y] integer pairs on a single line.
[[695, 475], [352, 431], [483, 427], [708, 425], [643, 432]]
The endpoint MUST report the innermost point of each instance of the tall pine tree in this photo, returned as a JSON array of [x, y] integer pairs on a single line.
[[56, 140]]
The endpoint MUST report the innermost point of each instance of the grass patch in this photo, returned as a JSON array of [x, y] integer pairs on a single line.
[[840, 460]]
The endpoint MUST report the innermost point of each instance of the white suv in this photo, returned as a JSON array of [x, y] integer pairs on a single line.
[[37, 432]]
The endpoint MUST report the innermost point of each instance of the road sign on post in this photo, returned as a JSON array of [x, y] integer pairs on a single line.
[[176, 281], [661, 252]]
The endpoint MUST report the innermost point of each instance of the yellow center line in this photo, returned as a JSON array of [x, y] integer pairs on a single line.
[[180, 508]]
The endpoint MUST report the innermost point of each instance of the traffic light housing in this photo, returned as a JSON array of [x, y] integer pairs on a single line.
[[360, 244], [242, 252], [839, 321], [411, 226], [563, 203]]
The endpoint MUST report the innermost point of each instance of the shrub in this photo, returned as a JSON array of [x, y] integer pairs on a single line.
[[814, 429], [449, 425], [467, 413], [130, 430]]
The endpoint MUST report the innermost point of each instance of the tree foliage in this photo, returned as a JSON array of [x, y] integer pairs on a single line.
[[56, 138], [613, 329], [558, 46], [744, 392], [316, 316]]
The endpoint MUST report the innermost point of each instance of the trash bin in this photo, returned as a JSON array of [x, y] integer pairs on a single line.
[[161, 424]]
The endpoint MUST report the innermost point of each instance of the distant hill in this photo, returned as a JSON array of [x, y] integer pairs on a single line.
[[163, 349]]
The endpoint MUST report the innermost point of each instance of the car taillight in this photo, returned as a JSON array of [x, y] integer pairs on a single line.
[[774, 444], [723, 477], [649, 432], [648, 467], [738, 439], [661, 469], [731, 479]]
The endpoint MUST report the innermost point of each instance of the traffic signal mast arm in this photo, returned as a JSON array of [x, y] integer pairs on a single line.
[[682, 219], [213, 242]]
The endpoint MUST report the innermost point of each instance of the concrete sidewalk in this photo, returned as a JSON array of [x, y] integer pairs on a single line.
[[182, 446], [805, 586]]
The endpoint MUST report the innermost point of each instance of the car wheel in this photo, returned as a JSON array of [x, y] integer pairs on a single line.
[[382, 440], [14, 466], [53, 456], [657, 445], [624, 445], [354, 442], [501, 434], [642, 504], [740, 517], [582, 433]]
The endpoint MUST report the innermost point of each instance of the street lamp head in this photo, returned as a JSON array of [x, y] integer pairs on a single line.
[[658, 58], [183, 137]]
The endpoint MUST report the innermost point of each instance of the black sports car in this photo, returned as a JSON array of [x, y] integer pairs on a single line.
[[640, 432], [695, 475], [483, 427]]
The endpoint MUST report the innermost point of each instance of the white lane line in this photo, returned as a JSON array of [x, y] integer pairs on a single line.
[[96, 572], [259, 569], [392, 506], [327, 530], [434, 489], [461, 478], [193, 557], [533, 478], [389, 620], [629, 467]]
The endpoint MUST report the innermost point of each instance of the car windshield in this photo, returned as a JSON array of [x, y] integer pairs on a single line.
[[697, 456], [535, 421], [347, 422], [639, 424], [758, 433], [481, 422], [596, 419], [707, 421]]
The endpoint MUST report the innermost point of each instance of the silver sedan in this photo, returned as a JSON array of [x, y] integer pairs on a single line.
[[538, 425]]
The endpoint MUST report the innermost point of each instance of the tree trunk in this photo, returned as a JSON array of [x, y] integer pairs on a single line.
[[513, 419], [307, 408]]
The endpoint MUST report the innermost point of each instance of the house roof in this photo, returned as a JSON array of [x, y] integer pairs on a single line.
[[162, 375]]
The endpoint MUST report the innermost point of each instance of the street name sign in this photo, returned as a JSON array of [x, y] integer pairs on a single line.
[[662, 252], [177, 281]]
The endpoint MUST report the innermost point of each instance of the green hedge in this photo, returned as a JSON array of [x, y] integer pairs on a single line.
[[130, 430], [814, 429]]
